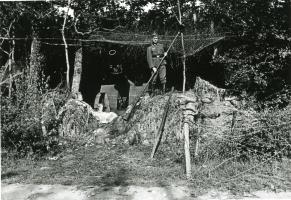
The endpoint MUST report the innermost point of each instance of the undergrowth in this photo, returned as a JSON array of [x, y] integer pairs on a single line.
[[29, 121]]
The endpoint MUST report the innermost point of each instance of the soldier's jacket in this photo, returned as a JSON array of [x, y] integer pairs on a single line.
[[155, 53]]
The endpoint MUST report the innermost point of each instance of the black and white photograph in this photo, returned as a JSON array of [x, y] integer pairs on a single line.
[[145, 99]]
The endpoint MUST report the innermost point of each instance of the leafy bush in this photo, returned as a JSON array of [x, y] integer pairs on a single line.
[[260, 70], [266, 135], [28, 125], [246, 135]]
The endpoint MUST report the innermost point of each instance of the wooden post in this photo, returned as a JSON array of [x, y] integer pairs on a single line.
[[197, 140], [185, 125], [183, 49], [196, 146], [163, 122], [184, 62], [77, 71], [187, 150]]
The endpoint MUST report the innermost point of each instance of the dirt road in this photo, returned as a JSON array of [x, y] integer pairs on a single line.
[[61, 192]]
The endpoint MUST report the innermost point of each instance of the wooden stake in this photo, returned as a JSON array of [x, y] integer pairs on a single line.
[[197, 139], [163, 122], [196, 146], [187, 150]]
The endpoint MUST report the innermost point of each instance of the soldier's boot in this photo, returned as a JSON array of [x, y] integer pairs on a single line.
[[163, 88], [152, 91]]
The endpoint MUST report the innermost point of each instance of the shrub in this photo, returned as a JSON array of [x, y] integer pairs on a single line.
[[260, 70], [24, 116], [268, 136], [265, 135]]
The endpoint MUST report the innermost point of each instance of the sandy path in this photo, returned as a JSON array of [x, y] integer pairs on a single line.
[[60, 192]]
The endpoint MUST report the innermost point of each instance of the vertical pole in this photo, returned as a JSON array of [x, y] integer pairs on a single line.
[[185, 125], [183, 48], [10, 75], [197, 143], [184, 62], [195, 21], [187, 150], [66, 46]]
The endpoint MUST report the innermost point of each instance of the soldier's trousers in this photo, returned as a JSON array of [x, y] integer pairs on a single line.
[[161, 75]]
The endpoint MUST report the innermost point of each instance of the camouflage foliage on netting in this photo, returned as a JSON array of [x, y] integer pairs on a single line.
[[192, 43]]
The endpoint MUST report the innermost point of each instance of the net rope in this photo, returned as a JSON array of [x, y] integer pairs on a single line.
[[193, 43]]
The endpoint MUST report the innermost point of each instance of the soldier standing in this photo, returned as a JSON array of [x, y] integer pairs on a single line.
[[155, 53]]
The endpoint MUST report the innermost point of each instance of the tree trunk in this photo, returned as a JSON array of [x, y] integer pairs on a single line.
[[11, 60], [77, 71], [66, 46], [36, 61]]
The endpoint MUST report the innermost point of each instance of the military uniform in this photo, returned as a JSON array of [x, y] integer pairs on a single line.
[[155, 53]]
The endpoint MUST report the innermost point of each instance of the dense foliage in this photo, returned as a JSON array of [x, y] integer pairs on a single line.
[[258, 61], [26, 114]]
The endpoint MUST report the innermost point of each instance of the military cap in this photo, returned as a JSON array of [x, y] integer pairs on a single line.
[[155, 34]]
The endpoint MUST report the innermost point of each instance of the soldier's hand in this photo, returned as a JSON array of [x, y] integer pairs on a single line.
[[165, 54], [154, 69]]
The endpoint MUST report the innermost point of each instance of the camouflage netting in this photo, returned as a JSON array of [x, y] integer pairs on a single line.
[[192, 43], [219, 126], [148, 117], [80, 122], [214, 121], [213, 124], [77, 120]]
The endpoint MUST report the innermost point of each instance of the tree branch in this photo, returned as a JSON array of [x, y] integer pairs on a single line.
[[6, 35]]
